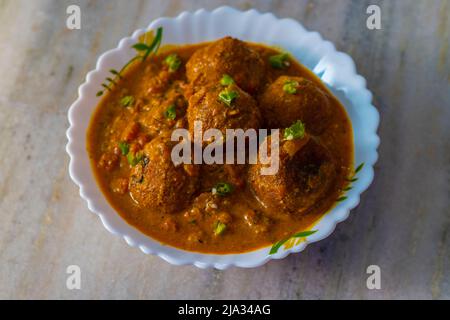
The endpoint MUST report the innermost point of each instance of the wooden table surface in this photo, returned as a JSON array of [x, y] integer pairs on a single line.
[[401, 225]]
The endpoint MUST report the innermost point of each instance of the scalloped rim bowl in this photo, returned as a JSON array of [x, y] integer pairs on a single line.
[[336, 69]]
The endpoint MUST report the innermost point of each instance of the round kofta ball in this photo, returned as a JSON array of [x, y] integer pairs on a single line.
[[157, 184], [222, 108], [227, 56], [305, 174], [289, 99]]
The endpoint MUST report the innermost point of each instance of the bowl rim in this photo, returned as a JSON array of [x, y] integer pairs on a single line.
[[336, 69]]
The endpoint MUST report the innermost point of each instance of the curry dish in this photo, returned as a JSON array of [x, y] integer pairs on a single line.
[[220, 208]]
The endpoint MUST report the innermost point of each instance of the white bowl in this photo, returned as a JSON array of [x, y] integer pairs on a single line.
[[336, 69]]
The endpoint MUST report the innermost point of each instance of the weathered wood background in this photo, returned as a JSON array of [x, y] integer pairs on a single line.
[[402, 223]]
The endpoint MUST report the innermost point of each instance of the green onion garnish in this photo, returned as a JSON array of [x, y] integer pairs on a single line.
[[173, 61], [127, 101], [171, 112], [290, 86], [124, 147], [226, 80], [134, 159], [219, 228], [228, 96], [296, 131], [279, 61], [222, 189]]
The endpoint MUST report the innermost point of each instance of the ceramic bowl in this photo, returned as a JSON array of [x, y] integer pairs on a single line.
[[336, 69]]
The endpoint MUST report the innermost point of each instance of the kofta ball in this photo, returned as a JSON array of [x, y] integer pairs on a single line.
[[295, 98], [157, 184], [227, 56], [222, 108], [306, 172]]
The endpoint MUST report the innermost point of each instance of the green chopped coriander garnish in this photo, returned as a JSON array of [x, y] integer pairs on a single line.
[[219, 228], [127, 101], [134, 159], [222, 189], [171, 112], [124, 147], [228, 96], [226, 80], [279, 61], [173, 61], [278, 244], [290, 86], [296, 131]]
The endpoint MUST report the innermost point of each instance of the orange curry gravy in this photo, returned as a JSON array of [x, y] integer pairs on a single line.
[[134, 113]]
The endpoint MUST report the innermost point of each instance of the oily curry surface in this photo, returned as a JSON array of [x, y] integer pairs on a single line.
[[226, 84]]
